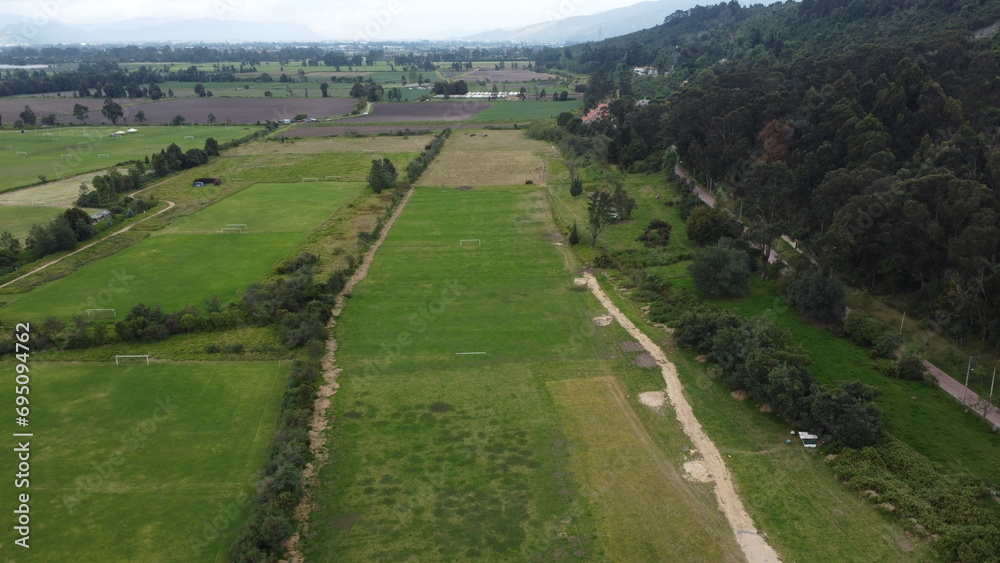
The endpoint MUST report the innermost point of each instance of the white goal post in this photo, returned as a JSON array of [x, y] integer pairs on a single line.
[[119, 357], [103, 156], [470, 241], [470, 353], [188, 137], [67, 156], [242, 226], [225, 230], [310, 179], [37, 203], [24, 154], [98, 314]]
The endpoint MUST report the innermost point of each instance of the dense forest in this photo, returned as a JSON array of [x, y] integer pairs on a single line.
[[880, 151]]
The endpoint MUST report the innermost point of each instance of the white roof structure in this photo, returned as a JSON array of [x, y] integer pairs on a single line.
[[119, 132], [133, 130]]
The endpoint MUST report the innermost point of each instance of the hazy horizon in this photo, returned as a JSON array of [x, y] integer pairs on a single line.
[[384, 20]]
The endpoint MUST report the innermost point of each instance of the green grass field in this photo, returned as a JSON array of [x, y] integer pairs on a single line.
[[18, 219], [141, 463], [176, 268], [524, 111], [46, 148], [440, 456]]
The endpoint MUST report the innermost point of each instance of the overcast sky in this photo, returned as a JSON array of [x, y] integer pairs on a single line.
[[334, 19]]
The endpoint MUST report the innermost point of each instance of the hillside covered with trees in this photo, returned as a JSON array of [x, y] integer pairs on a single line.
[[867, 129]]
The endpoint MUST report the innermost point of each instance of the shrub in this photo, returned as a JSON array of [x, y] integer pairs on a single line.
[[819, 297], [719, 271]]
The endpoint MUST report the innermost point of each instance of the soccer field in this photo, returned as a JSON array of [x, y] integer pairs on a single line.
[[449, 443], [68, 151], [192, 259], [141, 463]]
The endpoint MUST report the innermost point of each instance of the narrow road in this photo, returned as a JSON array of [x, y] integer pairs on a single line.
[[949, 384], [754, 546]]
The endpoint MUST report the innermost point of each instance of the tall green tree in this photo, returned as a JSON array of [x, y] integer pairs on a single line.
[[80, 112], [27, 116], [112, 110], [766, 194], [600, 214]]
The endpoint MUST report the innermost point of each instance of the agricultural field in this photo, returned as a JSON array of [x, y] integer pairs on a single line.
[[527, 110], [443, 456], [387, 112], [192, 259], [489, 158], [142, 462], [194, 110], [55, 193], [69, 151]]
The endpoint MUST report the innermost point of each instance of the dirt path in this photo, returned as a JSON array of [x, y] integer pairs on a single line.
[[753, 544], [320, 420]]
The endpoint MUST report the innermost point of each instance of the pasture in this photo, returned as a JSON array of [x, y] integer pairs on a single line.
[[59, 193], [489, 158], [18, 220], [192, 260], [68, 151], [440, 456], [142, 463]]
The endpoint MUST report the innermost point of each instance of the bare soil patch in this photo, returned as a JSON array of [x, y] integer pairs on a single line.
[[645, 361], [420, 111], [653, 399], [194, 110], [603, 320], [739, 395], [508, 74], [376, 146], [696, 471], [631, 346]]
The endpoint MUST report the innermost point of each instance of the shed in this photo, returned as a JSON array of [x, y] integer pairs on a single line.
[[808, 440]]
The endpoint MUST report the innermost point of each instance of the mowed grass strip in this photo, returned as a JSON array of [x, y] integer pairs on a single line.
[[429, 296], [288, 207], [143, 463], [648, 511], [488, 158], [180, 269], [45, 149]]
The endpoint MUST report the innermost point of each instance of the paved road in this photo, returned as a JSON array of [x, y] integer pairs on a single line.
[[948, 384]]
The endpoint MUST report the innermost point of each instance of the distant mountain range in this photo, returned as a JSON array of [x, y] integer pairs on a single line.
[[19, 31], [594, 27]]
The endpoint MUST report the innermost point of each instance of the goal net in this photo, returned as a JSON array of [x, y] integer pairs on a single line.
[[101, 314], [470, 242], [226, 230], [310, 179], [103, 156], [123, 358], [241, 226]]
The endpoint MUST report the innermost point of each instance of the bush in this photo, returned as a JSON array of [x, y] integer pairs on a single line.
[[234, 348], [864, 330], [819, 297], [719, 271]]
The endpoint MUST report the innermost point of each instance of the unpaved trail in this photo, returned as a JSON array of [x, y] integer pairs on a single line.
[[317, 428], [754, 547]]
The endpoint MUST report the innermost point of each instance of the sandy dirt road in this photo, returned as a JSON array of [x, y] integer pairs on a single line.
[[754, 546]]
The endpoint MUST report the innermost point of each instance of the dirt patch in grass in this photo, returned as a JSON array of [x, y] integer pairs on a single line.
[[631, 346], [696, 471], [440, 407], [739, 395], [645, 361], [653, 399], [603, 320]]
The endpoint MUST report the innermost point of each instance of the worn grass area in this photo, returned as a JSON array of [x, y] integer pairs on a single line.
[[302, 145], [142, 463], [488, 158], [636, 487], [18, 220], [60, 193], [45, 149], [440, 456], [528, 110]]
